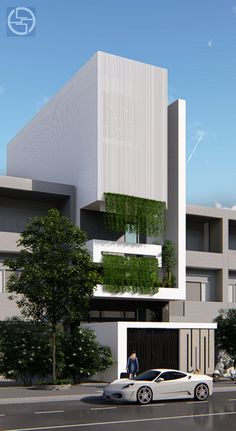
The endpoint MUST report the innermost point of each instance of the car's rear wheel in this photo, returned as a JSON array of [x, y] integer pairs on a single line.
[[144, 395], [201, 392]]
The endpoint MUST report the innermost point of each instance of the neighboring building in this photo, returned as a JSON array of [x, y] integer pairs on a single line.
[[110, 130], [210, 265], [21, 199]]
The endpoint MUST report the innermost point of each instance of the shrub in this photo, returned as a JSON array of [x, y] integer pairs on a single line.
[[25, 351], [84, 356]]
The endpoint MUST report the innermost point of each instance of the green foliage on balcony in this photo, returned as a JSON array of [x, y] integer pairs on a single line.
[[145, 215], [130, 274], [169, 261]]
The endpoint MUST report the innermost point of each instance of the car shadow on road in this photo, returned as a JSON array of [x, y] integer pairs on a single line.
[[99, 400]]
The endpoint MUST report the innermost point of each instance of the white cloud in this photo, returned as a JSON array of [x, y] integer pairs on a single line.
[[219, 205], [200, 133], [234, 9], [209, 43], [2, 90]]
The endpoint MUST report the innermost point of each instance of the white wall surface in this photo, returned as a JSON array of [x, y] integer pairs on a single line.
[[176, 213], [8, 242], [104, 131], [132, 128], [60, 142], [98, 247], [114, 334], [107, 334], [8, 308]]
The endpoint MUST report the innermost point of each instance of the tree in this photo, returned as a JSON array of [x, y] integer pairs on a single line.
[[53, 273], [168, 262], [226, 331]]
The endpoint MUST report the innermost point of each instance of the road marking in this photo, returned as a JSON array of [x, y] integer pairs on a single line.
[[197, 402], [48, 412], [129, 421], [232, 399], [153, 405], [99, 392], [103, 408], [2, 415]]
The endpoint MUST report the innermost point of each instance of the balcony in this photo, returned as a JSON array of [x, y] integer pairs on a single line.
[[98, 247]]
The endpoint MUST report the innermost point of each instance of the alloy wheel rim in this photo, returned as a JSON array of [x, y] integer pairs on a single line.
[[144, 395], [202, 392]]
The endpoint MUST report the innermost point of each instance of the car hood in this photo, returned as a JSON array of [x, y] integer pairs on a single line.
[[119, 383]]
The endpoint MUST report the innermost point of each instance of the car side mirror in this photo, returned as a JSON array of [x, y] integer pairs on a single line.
[[159, 380]]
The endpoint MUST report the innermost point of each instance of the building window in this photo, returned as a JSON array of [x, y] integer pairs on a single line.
[[203, 285], [131, 236], [1, 281], [232, 293], [112, 314], [193, 291], [232, 234]]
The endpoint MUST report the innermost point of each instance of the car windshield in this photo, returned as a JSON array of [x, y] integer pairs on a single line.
[[148, 375]]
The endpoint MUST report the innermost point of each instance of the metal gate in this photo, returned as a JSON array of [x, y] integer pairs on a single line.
[[155, 348]]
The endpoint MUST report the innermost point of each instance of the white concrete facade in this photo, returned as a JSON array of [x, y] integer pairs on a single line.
[[115, 335], [108, 130], [97, 247], [176, 211], [112, 131]]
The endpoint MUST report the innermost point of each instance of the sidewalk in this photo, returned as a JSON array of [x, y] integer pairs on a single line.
[[21, 394]]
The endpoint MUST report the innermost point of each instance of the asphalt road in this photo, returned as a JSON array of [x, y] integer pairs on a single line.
[[93, 413]]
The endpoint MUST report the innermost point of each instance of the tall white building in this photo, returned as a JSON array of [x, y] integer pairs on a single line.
[[110, 130]]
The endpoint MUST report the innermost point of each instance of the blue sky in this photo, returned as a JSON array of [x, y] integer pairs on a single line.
[[194, 40]]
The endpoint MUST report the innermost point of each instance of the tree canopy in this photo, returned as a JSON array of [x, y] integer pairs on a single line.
[[226, 331], [53, 272]]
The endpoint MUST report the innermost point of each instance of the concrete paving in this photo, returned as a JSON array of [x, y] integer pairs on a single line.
[[21, 394]]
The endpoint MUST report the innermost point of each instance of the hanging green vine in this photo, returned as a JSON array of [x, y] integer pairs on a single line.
[[169, 261], [145, 215], [130, 274]]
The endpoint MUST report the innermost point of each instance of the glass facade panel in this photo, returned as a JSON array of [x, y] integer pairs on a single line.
[[131, 236]]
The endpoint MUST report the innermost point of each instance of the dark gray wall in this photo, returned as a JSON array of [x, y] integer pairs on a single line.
[[15, 213]]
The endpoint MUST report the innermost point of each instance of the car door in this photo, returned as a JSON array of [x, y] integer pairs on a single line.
[[174, 385]]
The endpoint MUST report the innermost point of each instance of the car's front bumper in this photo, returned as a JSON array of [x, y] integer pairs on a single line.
[[120, 395]]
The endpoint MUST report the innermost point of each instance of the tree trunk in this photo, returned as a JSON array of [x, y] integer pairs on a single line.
[[54, 356]]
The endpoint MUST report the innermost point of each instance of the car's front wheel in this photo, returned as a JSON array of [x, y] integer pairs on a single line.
[[201, 392], [144, 395], [216, 377]]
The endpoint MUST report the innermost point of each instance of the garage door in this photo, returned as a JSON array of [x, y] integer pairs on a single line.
[[155, 348]]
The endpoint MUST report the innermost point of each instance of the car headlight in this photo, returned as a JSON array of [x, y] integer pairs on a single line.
[[128, 386]]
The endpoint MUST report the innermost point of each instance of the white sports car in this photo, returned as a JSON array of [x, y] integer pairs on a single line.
[[160, 384]]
